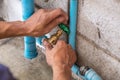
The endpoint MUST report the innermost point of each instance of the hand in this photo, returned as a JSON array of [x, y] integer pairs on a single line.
[[61, 54], [43, 21], [61, 58]]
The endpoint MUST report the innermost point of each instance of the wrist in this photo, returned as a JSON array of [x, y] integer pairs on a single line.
[[59, 68], [23, 29], [63, 71], [17, 28], [26, 28]]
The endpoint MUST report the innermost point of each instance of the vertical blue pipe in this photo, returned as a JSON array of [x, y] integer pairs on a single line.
[[90, 74], [30, 44], [73, 24]]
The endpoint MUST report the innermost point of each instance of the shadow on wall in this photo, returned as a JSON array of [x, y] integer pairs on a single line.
[[1, 2], [1, 6]]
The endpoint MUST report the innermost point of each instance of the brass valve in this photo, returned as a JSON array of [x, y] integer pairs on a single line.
[[53, 39]]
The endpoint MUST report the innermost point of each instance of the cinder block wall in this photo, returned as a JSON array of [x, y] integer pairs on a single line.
[[98, 32], [98, 36]]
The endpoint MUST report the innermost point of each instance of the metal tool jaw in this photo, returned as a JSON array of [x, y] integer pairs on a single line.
[[55, 37]]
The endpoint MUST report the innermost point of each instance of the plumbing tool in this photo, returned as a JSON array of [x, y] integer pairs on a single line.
[[54, 38]]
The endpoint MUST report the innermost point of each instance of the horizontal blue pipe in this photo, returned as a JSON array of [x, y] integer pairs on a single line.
[[29, 42], [92, 75]]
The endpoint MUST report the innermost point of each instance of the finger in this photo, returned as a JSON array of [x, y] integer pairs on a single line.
[[55, 22], [69, 46], [72, 54], [61, 44], [48, 10], [47, 45], [44, 10], [56, 13]]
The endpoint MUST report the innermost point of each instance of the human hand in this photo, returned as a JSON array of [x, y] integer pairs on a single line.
[[62, 54], [43, 21]]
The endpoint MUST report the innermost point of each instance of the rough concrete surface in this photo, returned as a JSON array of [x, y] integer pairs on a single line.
[[11, 55], [10, 10], [89, 55], [98, 36], [99, 20]]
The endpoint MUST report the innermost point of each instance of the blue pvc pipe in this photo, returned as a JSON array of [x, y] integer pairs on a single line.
[[39, 40], [75, 69], [73, 24], [90, 74], [29, 42]]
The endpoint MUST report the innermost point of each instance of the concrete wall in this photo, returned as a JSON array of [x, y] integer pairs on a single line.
[[98, 32], [98, 36], [10, 10]]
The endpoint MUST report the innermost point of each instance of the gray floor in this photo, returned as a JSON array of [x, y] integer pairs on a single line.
[[11, 55]]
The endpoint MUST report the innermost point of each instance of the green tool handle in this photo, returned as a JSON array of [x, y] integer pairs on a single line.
[[64, 28]]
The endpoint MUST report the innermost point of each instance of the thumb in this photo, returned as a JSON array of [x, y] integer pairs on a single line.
[[47, 45]]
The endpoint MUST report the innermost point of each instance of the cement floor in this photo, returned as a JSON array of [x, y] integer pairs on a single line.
[[11, 55]]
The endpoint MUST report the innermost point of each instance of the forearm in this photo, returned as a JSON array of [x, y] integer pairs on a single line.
[[61, 72], [12, 29]]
